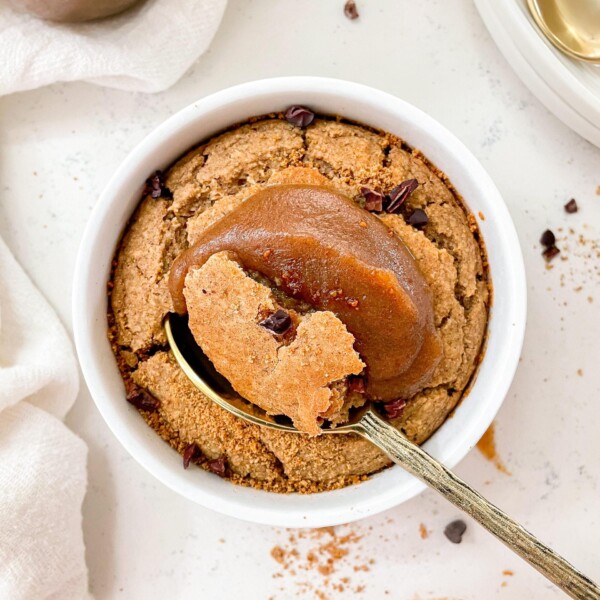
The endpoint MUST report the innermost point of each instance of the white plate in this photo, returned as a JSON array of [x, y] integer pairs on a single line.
[[568, 88]]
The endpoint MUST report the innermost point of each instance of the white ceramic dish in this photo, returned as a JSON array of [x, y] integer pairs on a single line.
[[203, 119], [570, 89]]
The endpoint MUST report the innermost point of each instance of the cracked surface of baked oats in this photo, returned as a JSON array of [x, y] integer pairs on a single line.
[[209, 182]]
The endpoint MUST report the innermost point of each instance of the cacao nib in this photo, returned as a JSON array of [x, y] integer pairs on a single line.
[[299, 116], [191, 452], [399, 194], [155, 186], [350, 10], [550, 253], [218, 466], [418, 218], [571, 206], [548, 238], [373, 199], [279, 322], [357, 384], [395, 408], [141, 398]]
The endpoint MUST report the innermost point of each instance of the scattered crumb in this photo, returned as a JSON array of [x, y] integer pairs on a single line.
[[507, 572], [423, 531], [481, 216], [598, 190], [582, 272], [580, 372], [314, 559], [278, 553]]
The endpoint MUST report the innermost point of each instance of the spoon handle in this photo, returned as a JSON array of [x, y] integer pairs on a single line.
[[420, 464]]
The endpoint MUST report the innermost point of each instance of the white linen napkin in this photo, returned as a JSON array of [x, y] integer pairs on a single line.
[[147, 48], [42, 463]]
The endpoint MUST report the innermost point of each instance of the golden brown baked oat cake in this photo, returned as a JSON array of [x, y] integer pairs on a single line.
[[209, 182]]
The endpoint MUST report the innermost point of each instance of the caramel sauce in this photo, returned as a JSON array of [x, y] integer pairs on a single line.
[[321, 248], [487, 446]]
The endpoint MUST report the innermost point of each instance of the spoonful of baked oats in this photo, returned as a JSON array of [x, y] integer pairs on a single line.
[[299, 311]]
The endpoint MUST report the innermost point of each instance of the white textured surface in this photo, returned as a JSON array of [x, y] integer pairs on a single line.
[[41, 542], [61, 143]]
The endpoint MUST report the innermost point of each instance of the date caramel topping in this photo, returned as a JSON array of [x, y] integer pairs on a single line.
[[321, 242]]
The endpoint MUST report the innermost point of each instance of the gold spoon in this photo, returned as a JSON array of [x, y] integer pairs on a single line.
[[368, 424], [573, 26]]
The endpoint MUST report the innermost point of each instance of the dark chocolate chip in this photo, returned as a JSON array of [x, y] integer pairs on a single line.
[[218, 466], [455, 530], [418, 218], [548, 239], [571, 206], [399, 194], [373, 199], [279, 322], [350, 10], [394, 409], [299, 116], [191, 452], [155, 186], [141, 398], [550, 253], [357, 384]]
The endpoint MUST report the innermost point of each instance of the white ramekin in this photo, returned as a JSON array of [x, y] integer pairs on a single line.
[[209, 116]]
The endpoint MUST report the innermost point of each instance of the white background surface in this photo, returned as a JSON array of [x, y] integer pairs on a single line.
[[60, 144]]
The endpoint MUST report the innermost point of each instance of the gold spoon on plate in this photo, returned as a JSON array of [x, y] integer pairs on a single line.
[[573, 26], [368, 424]]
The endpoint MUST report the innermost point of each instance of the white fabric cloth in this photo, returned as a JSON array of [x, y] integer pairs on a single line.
[[42, 462], [147, 48]]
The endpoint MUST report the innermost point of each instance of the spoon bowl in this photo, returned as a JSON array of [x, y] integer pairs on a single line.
[[573, 26]]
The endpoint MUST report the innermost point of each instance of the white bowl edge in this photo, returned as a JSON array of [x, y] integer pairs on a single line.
[[199, 121]]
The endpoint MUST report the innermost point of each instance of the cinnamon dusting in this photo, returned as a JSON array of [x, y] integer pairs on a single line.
[[316, 558]]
